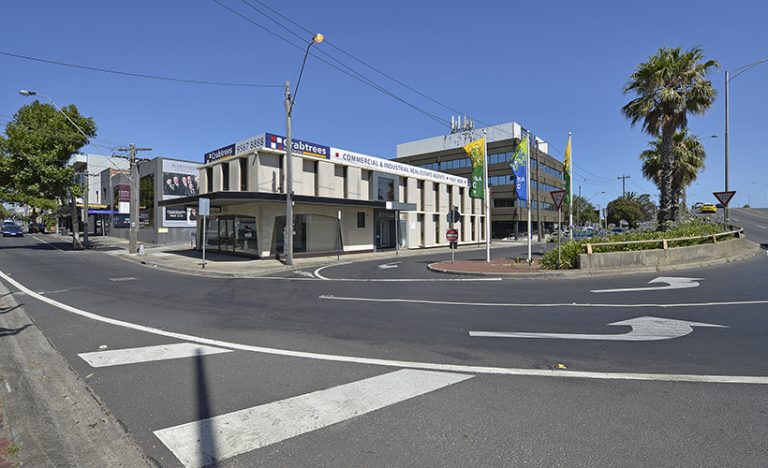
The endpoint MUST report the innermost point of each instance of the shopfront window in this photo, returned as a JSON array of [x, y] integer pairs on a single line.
[[311, 233]]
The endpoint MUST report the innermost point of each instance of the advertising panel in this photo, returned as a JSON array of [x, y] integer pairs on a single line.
[[305, 148], [349, 158], [180, 179], [217, 154]]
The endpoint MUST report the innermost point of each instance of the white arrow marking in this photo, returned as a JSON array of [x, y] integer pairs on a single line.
[[389, 265], [672, 283], [643, 329]]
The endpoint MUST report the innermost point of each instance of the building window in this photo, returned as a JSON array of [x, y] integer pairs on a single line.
[[225, 176], [503, 202], [209, 179], [386, 189], [361, 219], [243, 174]]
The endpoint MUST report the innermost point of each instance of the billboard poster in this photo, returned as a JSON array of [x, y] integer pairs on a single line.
[[180, 179]]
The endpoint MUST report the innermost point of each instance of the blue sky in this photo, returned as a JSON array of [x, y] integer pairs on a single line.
[[553, 66]]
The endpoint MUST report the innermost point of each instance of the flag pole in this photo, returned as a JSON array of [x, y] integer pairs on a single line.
[[528, 189], [487, 198], [570, 190]]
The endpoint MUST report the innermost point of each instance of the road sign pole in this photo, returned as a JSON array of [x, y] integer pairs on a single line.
[[204, 241]]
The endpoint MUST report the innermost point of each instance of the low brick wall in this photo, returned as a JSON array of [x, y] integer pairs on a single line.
[[722, 251]]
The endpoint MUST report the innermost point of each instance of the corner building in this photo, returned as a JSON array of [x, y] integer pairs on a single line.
[[343, 201], [509, 215]]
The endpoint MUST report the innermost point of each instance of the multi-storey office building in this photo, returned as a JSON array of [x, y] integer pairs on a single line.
[[343, 200], [509, 214]]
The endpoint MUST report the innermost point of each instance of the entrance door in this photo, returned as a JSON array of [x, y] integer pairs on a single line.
[[227, 234], [384, 229]]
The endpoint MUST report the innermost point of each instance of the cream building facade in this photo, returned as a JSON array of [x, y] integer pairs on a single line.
[[343, 201]]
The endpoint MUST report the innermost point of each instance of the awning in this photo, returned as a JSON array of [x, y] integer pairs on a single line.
[[240, 198]]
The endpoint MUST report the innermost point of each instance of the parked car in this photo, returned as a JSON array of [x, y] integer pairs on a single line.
[[697, 205], [12, 231], [708, 208]]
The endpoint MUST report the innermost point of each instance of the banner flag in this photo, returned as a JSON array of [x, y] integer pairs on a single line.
[[476, 152], [518, 164], [567, 172]]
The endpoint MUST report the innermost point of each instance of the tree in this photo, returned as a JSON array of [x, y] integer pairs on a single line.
[[585, 210], [688, 161], [669, 86], [627, 209], [35, 151], [649, 207]]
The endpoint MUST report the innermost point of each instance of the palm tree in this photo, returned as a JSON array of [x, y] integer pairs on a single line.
[[688, 161], [669, 86]]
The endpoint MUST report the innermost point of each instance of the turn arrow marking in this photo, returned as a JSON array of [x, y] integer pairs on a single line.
[[672, 283], [389, 265], [643, 329]]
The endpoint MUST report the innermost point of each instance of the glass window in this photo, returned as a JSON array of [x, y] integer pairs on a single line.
[[225, 176], [147, 200], [386, 187], [361, 219], [243, 174]]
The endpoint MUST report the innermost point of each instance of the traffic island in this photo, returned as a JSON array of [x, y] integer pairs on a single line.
[[496, 267]]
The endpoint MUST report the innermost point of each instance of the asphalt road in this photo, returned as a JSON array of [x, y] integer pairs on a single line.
[[629, 403]]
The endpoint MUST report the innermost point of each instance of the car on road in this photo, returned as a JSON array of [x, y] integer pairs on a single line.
[[708, 208], [697, 205], [12, 230]]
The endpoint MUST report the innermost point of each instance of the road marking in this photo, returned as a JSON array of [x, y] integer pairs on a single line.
[[305, 274], [732, 379], [386, 266], [253, 428], [672, 283], [119, 357], [8, 387], [643, 329], [48, 243], [395, 280], [527, 305], [127, 278]]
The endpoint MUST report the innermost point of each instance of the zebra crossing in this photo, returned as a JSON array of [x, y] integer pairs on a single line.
[[220, 437]]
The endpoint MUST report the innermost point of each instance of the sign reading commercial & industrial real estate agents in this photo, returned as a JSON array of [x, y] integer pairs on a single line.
[[335, 155]]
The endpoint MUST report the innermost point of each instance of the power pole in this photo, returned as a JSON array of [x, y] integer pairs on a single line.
[[623, 184], [288, 237], [133, 232]]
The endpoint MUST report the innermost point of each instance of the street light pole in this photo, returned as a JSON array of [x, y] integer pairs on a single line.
[[289, 102]]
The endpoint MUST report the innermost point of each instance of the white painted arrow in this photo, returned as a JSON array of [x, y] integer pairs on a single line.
[[386, 266], [643, 329], [672, 283]]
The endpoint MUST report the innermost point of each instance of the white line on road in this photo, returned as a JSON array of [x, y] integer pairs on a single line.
[[671, 283], [118, 357], [556, 304], [203, 442], [734, 379], [127, 278]]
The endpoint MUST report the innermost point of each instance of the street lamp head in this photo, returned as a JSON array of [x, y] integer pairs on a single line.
[[318, 39], [26, 92]]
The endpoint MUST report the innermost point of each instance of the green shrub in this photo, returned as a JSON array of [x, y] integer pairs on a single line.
[[569, 251]]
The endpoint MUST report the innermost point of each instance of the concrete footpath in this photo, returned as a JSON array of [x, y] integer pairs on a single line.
[[48, 415]]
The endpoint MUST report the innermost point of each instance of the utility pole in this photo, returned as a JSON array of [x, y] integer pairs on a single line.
[[288, 237], [133, 232], [623, 184]]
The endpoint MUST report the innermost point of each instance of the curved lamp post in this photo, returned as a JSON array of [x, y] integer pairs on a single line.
[[28, 93], [289, 102]]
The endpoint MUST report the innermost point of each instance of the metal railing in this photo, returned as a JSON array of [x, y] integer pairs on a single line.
[[736, 232]]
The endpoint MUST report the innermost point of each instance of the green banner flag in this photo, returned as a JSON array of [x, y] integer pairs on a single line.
[[476, 152]]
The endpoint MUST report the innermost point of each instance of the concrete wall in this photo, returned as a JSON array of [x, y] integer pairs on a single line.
[[697, 254]]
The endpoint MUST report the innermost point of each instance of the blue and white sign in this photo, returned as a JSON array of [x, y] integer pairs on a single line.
[[277, 142], [222, 152]]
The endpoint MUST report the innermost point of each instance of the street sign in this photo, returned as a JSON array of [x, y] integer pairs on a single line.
[[204, 208], [724, 197], [454, 216], [452, 235], [558, 196]]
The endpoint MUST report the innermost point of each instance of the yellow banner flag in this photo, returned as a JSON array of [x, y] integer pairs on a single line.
[[476, 152]]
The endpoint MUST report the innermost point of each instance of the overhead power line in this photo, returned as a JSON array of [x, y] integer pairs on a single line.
[[139, 75], [354, 74]]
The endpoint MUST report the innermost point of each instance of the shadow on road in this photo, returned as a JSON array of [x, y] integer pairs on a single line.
[[13, 331], [5, 310], [41, 246], [212, 256], [207, 435]]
